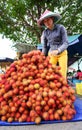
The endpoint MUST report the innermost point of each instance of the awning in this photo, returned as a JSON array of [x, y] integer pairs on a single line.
[[5, 59], [73, 38], [75, 46]]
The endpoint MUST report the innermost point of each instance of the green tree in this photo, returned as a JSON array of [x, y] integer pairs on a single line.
[[18, 18]]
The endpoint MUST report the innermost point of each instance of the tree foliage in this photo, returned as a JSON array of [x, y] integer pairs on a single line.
[[18, 18]]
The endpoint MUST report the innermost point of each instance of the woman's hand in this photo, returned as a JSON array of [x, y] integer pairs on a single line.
[[53, 53]]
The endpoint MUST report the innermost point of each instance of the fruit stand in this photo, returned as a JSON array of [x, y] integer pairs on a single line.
[[33, 91]]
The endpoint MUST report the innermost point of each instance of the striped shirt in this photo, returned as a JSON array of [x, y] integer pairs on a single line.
[[56, 39]]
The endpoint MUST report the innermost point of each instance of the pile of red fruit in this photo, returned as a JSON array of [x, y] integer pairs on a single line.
[[33, 90]]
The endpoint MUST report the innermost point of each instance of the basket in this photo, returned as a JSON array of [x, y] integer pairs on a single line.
[[79, 88]]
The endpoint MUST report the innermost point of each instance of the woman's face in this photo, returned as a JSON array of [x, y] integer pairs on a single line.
[[48, 22]]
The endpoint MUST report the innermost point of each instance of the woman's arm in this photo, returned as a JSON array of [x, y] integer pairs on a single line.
[[44, 44], [64, 39]]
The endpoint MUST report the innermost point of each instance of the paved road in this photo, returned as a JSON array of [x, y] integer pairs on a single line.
[[55, 126]]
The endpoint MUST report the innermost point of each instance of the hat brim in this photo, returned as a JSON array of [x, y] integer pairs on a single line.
[[51, 14]]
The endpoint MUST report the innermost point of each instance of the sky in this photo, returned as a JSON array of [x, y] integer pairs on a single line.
[[5, 48]]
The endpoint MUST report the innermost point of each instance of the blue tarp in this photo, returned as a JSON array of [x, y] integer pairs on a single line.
[[77, 117]]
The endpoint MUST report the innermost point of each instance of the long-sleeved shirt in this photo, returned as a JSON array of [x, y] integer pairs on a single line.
[[55, 39]]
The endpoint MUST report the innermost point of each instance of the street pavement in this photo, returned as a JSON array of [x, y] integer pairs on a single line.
[[54, 126]]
